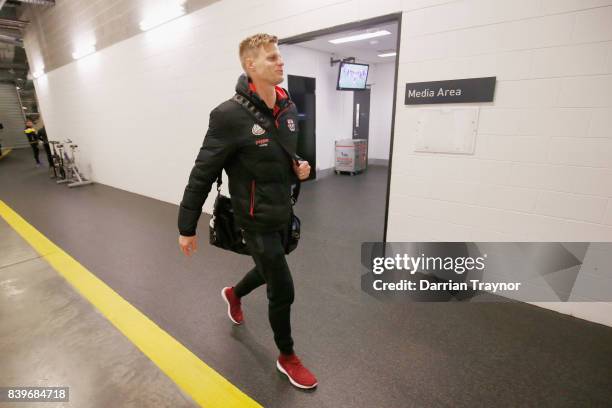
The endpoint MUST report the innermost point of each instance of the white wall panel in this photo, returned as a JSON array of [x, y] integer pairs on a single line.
[[581, 152], [563, 6], [571, 206], [584, 59], [531, 93], [593, 25], [601, 123], [588, 92], [508, 198], [535, 33], [565, 122], [608, 215]]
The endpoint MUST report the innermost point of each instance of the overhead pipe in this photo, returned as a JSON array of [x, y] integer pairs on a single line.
[[13, 24], [11, 40]]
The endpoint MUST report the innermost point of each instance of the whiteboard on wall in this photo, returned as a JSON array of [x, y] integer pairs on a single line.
[[446, 130]]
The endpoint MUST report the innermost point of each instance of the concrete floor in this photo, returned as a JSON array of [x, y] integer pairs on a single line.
[[51, 336], [366, 353]]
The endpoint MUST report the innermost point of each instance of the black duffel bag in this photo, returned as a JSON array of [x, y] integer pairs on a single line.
[[223, 231], [293, 237]]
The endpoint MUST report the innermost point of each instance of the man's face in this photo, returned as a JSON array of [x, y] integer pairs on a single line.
[[267, 65], [29, 123]]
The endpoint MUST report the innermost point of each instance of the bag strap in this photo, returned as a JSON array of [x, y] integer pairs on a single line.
[[265, 123], [219, 182]]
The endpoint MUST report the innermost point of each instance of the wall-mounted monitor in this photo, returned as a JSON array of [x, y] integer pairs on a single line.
[[352, 77]]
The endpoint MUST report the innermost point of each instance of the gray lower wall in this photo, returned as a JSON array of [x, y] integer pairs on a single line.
[[378, 162]]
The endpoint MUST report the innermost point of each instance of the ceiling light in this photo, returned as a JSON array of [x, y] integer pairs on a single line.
[[388, 54], [84, 52], [161, 16], [18, 88], [39, 73], [359, 37]]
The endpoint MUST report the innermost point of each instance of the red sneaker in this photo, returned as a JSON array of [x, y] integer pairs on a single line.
[[298, 375], [234, 309]]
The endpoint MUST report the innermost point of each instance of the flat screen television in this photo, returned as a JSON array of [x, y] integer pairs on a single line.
[[352, 77]]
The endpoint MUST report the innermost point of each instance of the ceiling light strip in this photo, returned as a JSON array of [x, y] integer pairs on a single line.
[[359, 37]]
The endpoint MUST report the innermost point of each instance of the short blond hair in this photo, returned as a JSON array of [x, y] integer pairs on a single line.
[[251, 44]]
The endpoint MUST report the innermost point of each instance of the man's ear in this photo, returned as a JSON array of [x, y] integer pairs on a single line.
[[250, 62]]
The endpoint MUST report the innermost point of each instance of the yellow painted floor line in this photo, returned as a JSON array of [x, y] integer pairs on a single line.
[[5, 152], [205, 386]]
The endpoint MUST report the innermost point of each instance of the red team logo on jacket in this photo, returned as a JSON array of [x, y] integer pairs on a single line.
[[291, 125], [262, 142]]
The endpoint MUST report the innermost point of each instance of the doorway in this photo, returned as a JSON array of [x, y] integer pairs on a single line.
[[366, 111], [302, 91], [361, 114]]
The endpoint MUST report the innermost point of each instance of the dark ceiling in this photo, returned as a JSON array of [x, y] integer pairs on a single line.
[[13, 60]]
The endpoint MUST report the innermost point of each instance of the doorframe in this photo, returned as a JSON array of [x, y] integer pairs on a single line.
[[397, 17]]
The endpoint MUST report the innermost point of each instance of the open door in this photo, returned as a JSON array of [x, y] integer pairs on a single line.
[[302, 91], [361, 114]]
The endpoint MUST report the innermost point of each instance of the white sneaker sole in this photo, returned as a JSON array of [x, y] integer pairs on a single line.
[[229, 314], [304, 387]]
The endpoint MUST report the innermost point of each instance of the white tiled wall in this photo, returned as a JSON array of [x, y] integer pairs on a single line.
[[547, 132], [592, 152], [608, 215], [542, 169]]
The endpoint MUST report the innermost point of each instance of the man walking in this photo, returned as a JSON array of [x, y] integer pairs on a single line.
[[42, 136], [260, 174], [32, 136]]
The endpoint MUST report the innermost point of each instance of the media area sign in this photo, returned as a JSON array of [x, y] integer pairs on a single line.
[[453, 91]]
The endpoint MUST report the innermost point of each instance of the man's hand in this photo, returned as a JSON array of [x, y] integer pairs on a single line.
[[302, 171], [188, 245]]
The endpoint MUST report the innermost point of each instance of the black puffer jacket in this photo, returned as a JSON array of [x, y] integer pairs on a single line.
[[259, 170]]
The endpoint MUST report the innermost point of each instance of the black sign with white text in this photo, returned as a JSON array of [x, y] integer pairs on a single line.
[[453, 91]]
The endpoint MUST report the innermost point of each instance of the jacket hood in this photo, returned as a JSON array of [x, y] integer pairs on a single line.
[[245, 87]]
